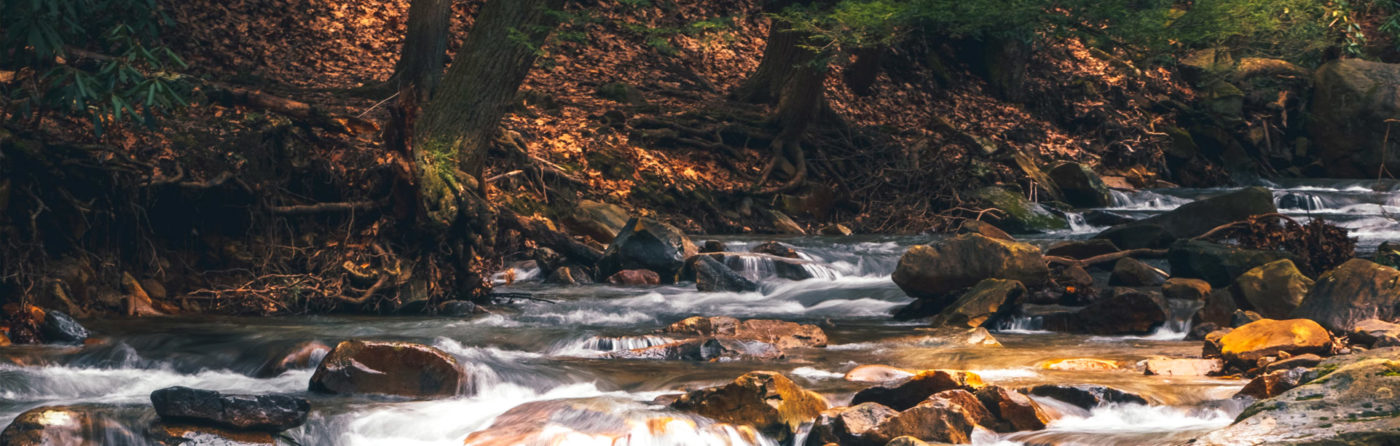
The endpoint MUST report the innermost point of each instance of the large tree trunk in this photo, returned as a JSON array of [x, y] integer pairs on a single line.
[[462, 118], [424, 47]]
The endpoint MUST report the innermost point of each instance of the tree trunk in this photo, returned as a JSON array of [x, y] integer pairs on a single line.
[[424, 47]]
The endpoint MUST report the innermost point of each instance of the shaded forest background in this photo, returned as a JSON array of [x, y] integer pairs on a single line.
[[253, 159]]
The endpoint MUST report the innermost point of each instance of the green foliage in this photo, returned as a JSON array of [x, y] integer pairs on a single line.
[[1299, 30], [97, 59]]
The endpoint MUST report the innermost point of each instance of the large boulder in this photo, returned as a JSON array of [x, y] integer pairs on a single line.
[[1128, 271], [650, 245], [713, 275], [935, 270], [1183, 367], [980, 304], [1216, 263], [1272, 384], [1351, 102], [1350, 401], [949, 416], [768, 401], [786, 270], [390, 368], [782, 334], [1014, 410], [1246, 345], [249, 412], [1086, 396], [908, 392], [1017, 214], [1376, 333], [1192, 219], [1355, 291], [601, 221], [61, 328], [1124, 311], [1081, 186], [1182, 288], [74, 425], [1273, 289], [857, 425]]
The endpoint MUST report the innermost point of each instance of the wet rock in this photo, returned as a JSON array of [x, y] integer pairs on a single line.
[[1376, 333], [603, 420], [1219, 309], [601, 221], [1308, 360], [1081, 249], [1246, 345], [851, 426], [1081, 186], [1125, 311], [649, 245], [1301, 202], [1137, 235], [1350, 102], [1015, 411], [301, 356], [1186, 289], [1388, 254], [1199, 331], [1128, 271], [1211, 346], [705, 349], [836, 229], [907, 392], [60, 328], [1243, 317], [138, 302], [713, 275], [1216, 263], [713, 246], [250, 412], [1105, 218], [183, 433], [1351, 400], [1192, 219], [984, 228], [910, 441], [948, 416], [391, 368], [1273, 289], [459, 308], [935, 270], [1355, 291], [1079, 365], [980, 304], [790, 271], [782, 334], [1184, 367], [1086, 396], [1018, 215], [1272, 384], [768, 401], [635, 277], [784, 224], [877, 374], [571, 275], [72, 425], [1073, 278]]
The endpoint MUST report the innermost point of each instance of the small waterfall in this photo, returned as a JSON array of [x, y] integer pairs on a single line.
[[1077, 224], [594, 346], [1021, 324]]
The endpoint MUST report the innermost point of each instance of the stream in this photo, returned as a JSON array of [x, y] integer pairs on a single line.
[[539, 351]]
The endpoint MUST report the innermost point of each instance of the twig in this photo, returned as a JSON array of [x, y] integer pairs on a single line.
[[344, 206]]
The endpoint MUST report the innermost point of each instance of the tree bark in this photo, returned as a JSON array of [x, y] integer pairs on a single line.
[[424, 47]]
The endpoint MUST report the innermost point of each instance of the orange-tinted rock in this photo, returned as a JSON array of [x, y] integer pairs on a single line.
[[1080, 365], [1017, 412], [301, 356], [1186, 289], [851, 426], [907, 393], [635, 277], [946, 417], [876, 374], [768, 401], [781, 334], [1249, 343], [391, 368], [1184, 367], [1210, 347]]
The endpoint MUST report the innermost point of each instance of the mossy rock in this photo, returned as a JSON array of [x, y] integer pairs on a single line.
[[1019, 215]]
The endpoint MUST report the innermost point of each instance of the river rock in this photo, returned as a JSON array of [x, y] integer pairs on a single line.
[[877, 374], [782, 334], [601, 221], [1272, 384], [1307, 361], [301, 356], [1351, 100], [983, 228], [934, 271], [911, 441], [768, 401], [980, 304], [1079, 365], [1353, 292], [704, 349], [1376, 333], [71, 425], [391, 368], [1211, 345], [907, 392], [1273, 289], [713, 275], [1184, 367], [1219, 310], [1017, 214], [851, 426], [1081, 186], [1016, 411], [836, 229], [948, 416], [786, 270], [571, 275], [1186, 289], [1192, 219], [1128, 271], [1216, 263], [635, 277], [1086, 396], [60, 328], [1081, 249], [650, 245], [1246, 345], [250, 412], [1350, 400], [1124, 311]]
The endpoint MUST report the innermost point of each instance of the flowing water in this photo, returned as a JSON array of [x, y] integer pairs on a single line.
[[542, 365]]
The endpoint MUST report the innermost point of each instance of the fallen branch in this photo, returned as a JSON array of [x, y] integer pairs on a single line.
[[1233, 224], [756, 254], [526, 296], [318, 208], [1144, 253], [558, 241]]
